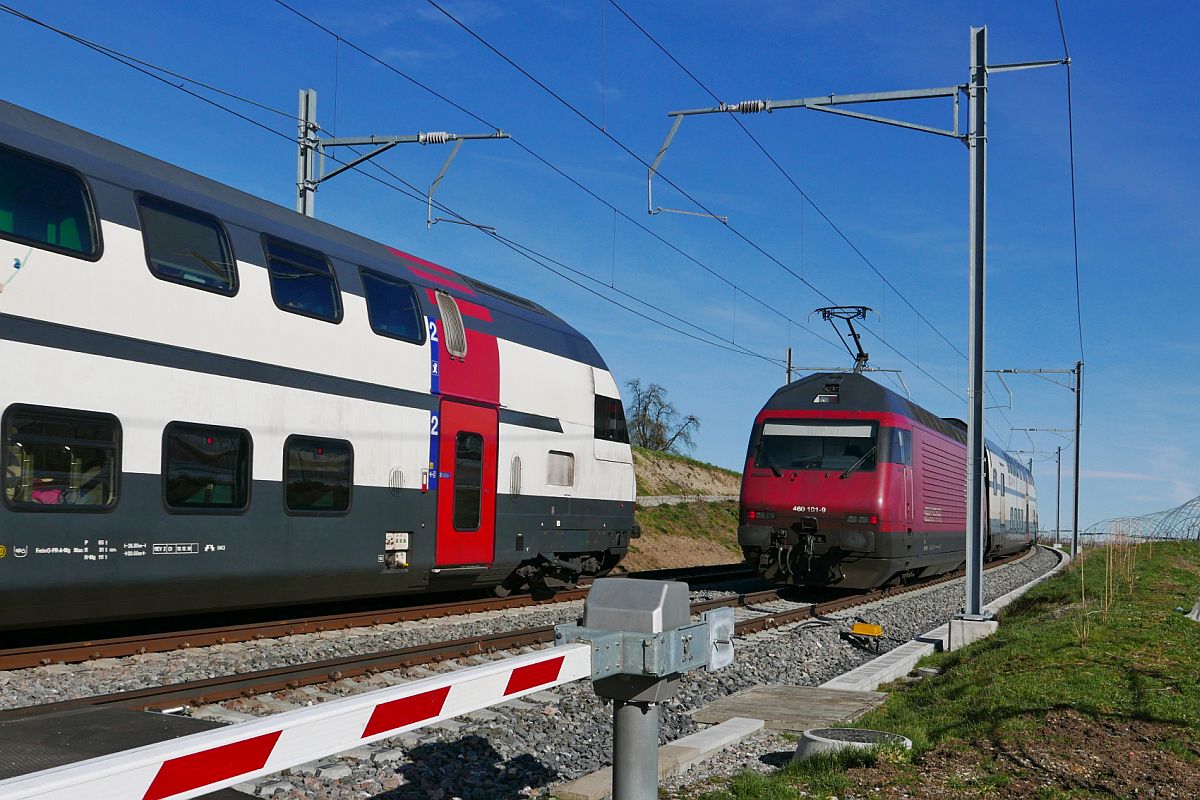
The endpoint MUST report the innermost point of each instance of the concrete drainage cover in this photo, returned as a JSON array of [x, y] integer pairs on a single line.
[[829, 740]]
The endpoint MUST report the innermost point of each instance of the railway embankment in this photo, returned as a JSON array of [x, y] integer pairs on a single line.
[[1090, 688], [687, 510]]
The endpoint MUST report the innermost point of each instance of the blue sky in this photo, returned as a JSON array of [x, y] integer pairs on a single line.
[[900, 197]]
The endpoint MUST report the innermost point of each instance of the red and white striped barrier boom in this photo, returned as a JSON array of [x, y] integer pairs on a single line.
[[194, 765]]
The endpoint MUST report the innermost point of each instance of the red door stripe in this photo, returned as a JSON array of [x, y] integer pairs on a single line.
[[209, 766], [532, 675], [405, 711]]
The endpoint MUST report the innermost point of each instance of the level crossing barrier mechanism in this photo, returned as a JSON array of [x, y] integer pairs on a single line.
[[635, 640]]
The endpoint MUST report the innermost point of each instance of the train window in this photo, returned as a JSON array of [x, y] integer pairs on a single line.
[[1003, 485], [205, 468], [454, 335], [318, 475], [60, 460], [560, 469], [302, 281], [392, 307], [468, 480], [899, 446], [46, 205], [995, 482], [187, 246], [610, 420], [816, 444]]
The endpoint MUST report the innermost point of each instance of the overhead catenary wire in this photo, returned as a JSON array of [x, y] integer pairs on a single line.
[[408, 190], [553, 167], [699, 204]]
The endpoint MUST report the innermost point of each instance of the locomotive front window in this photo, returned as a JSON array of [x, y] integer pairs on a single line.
[[46, 206], [205, 468], [468, 480], [813, 444], [320, 475], [58, 460]]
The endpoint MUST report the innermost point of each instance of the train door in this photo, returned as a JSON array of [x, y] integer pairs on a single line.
[[466, 515], [906, 444]]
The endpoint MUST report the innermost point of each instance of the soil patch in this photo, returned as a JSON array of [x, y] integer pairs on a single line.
[[1068, 754], [674, 552]]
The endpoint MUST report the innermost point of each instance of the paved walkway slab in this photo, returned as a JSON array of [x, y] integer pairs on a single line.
[[792, 708]]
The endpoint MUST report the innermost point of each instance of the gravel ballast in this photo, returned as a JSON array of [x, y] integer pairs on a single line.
[[520, 748]]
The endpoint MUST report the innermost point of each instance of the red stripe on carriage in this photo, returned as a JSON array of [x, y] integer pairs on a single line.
[[209, 766], [477, 377], [438, 279], [467, 308], [532, 675], [422, 262], [406, 711]]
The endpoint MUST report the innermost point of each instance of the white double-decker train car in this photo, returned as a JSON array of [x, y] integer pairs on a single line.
[[210, 401]]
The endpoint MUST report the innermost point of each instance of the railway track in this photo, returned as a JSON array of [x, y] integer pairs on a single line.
[[212, 690], [158, 642]]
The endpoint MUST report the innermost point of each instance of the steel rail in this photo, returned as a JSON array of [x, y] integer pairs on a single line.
[[212, 690], [166, 641]]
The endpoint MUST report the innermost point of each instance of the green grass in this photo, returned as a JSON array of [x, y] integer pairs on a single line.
[[1136, 663], [673, 488], [715, 522]]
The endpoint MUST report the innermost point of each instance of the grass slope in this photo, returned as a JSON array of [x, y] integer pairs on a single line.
[[683, 534], [1090, 688]]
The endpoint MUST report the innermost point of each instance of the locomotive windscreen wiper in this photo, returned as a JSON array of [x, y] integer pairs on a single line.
[[766, 456], [859, 463]]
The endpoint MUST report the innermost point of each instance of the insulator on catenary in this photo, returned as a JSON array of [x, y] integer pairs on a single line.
[[750, 106], [435, 137]]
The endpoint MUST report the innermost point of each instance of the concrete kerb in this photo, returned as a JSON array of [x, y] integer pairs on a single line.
[[673, 758], [899, 661]]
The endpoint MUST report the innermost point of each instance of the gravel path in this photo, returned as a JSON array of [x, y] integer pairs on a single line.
[[522, 747]]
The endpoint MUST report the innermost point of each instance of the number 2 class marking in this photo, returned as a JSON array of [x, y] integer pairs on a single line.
[[433, 424], [433, 337]]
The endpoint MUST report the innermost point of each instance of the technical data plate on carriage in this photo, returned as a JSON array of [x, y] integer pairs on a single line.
[[175, 548]]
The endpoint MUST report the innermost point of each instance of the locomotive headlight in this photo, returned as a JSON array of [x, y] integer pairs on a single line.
[[753, 514], [863, 519]]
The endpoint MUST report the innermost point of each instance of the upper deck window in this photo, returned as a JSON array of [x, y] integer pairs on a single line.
[[817, 444], [187, 246], [47, 206], [392, 307], [302, 281]]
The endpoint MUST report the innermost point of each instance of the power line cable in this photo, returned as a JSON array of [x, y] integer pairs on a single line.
[[148, 69], [553, 167], [782, 171]]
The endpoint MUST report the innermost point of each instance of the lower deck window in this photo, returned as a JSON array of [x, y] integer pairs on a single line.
[[468, 480], [319, 475], [205, 468], [560, 468], [60, 460]]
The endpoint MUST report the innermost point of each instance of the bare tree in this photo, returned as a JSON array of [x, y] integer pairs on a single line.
[[654, 422]]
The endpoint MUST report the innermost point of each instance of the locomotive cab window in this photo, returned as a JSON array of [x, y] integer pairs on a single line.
[[817, 444], [302, 281], [46, 206], [205, 468], [60, 460], [468, 480], [610, 420], [319, 475], [392, 308], [899, 446], [187, 246]]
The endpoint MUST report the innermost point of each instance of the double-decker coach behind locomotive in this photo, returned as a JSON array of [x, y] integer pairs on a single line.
[[835, 468]]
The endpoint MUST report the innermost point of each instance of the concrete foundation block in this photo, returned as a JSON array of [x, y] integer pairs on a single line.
[[965, 631]]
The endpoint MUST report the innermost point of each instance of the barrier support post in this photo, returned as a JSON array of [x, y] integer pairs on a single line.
[[642, 641]]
